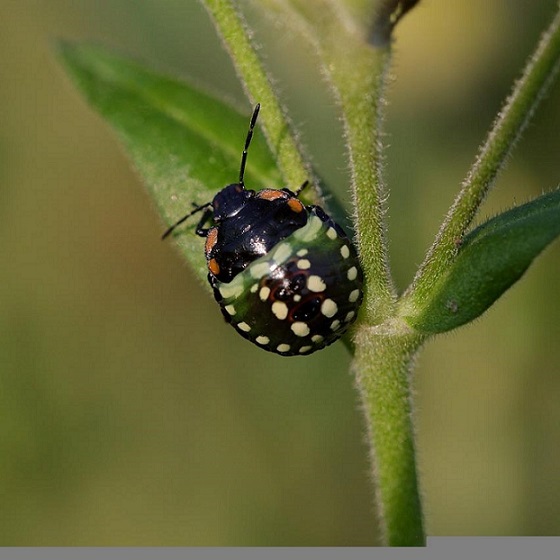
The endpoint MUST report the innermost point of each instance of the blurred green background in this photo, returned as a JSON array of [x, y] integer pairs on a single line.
[[131, 415]]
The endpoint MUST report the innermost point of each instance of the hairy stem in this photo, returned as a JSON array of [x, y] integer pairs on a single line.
[[382, 365], [506, 131], [237, 40]]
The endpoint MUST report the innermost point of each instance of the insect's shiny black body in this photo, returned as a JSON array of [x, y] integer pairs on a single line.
[[249, 229]]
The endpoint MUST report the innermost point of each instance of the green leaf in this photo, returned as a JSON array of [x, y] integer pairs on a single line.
[[528, 92], [185, 143], [490, 259]]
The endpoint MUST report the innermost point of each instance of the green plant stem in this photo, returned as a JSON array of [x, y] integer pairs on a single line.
[[363, 120], [383, 349], [359, 87], [506, 131], [382, 364], [233, 31]]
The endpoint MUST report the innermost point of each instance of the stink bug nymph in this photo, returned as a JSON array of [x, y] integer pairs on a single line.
[[285, 274]]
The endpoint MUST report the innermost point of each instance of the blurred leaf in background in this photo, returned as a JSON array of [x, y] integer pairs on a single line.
[[120, 423]]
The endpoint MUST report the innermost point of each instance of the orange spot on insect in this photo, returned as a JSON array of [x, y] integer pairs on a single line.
[[214, 267], [211, 239], [295, 205], [271, 194]]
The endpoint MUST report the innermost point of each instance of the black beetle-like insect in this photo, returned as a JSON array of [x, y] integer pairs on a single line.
[[285, 274]]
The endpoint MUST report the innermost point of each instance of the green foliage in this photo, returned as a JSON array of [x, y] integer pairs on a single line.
[[185, 144], [489, 260]]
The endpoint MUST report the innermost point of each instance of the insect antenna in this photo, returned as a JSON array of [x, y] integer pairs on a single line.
[[241, 171], [304, 185], [179, 222], [248, 142]]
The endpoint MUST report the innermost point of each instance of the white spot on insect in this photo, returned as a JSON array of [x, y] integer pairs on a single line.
[[316, 338], [329, 308], [243, 327], [302, 252], [262, 340], [331, 233], [231, 290], [349, 316], [315, 283], [297, 297], [335, 325], [254, 288], [281, 253], [300, 328], [310, 230], [280, 310], [345, 251], [352, 273], [283, 348], [264, 293], [259, 269], [303, 264], [305, 349], [354, 295], [230, 309]]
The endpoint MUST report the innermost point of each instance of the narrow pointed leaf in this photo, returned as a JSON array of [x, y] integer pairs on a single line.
[[490, 259], [185, 143]]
